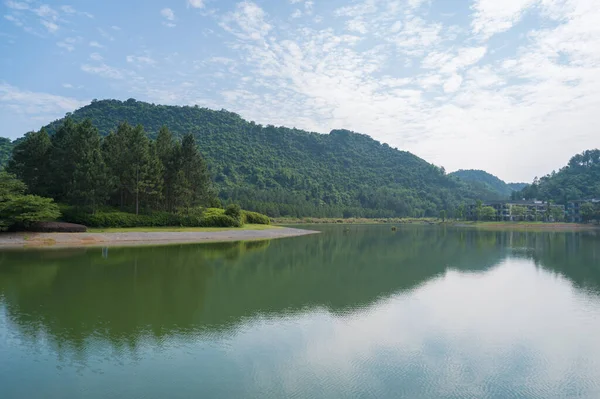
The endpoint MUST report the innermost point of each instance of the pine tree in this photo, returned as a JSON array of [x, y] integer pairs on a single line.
[[89, 184], [30, 161]]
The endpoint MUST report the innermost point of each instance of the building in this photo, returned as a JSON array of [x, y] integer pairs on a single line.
[[515, 211], [573, 213]]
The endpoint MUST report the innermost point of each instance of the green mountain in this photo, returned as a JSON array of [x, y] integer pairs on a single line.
[[6, 147], [580, 179], [486, 185], [291, 172]]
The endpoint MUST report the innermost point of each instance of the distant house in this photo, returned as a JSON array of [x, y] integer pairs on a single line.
[[573, 209], [515, 210]]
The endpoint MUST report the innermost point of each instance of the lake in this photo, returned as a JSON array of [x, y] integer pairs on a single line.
[[423, 312]]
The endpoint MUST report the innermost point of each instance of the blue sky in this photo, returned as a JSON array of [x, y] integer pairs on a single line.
[[511, 86]]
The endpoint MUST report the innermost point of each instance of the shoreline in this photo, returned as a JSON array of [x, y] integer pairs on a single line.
[[66, 240]]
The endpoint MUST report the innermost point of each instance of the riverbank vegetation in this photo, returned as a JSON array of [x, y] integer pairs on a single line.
[[122, 180]]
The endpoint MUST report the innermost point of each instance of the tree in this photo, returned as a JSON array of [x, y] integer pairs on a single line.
[[134, 164], [518, 212], [557, 213], [479, 210], [30, 161], [488, 213], [89, 182], [587, 211], [196, 179], [443, 214], [16, 208]]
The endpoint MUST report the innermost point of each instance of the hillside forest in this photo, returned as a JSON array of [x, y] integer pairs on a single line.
[[144, 158]]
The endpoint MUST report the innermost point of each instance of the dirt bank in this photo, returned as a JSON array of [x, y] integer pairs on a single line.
[[23, 240]]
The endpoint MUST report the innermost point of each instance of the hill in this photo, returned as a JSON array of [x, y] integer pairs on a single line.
[[580, 179], [487, 185], [283, 171]]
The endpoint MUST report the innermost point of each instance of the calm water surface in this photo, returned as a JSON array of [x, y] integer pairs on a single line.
[[365, 313]]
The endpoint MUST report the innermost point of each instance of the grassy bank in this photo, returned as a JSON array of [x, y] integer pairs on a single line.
[[308, 220], [250, 227], [530, 226]]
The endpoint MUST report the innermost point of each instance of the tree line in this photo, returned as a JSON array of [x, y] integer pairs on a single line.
[[125, 170]]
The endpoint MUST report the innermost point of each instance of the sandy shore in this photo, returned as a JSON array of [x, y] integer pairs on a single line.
[[23, 240]]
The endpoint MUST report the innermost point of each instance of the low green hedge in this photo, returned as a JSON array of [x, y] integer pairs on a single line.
[[255, 218], [157, 219], [209, 217]]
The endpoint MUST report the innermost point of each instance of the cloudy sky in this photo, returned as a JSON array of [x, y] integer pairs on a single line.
[[511, 86]]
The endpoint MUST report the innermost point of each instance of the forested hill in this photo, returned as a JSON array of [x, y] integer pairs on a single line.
[[487, 185], [579, 180], [282, 171]]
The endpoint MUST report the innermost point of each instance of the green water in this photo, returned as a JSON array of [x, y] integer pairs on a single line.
[[366, 313]]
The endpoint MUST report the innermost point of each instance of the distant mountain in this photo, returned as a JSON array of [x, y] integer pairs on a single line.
[[580, 179], [6, 147], [517, 186], [283, 171], [487, 185]]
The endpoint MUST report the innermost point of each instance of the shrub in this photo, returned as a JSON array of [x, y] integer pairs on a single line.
[[157, 219], [234, 211], [24, 210], [255, 218]]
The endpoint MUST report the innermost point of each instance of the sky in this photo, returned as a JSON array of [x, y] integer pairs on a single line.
[[511, 87]]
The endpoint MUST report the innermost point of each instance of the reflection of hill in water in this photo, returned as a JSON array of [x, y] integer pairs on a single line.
[[176, 289]]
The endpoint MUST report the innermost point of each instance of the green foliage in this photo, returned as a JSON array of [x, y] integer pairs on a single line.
[[255, 218], [157, 219], [6, 148], [16, 208], [30, 161], [280, 171], [590, 211], [518, 212], [234, 211], [579, 180], [443, 215], [488, 213], [486, 185]]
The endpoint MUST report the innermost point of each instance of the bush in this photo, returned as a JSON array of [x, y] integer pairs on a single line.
[[255, 218], [24, 210], [157, 219], [234, 211]]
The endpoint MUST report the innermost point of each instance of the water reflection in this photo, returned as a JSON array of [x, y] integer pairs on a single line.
[[423, 312]]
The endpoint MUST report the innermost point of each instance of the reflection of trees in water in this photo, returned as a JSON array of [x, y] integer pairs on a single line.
[[161, 291], [574, 255]]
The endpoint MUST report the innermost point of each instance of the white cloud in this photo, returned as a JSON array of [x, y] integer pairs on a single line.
[[453, 84], [168, 14], [69, 43], [51, 26], [492, 16], [36, 103], [247, 22], [68, 9], [140, 60], [15, 5], [96, 57], [96, 44], [104, 71], [196, 3], [67, 85]]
